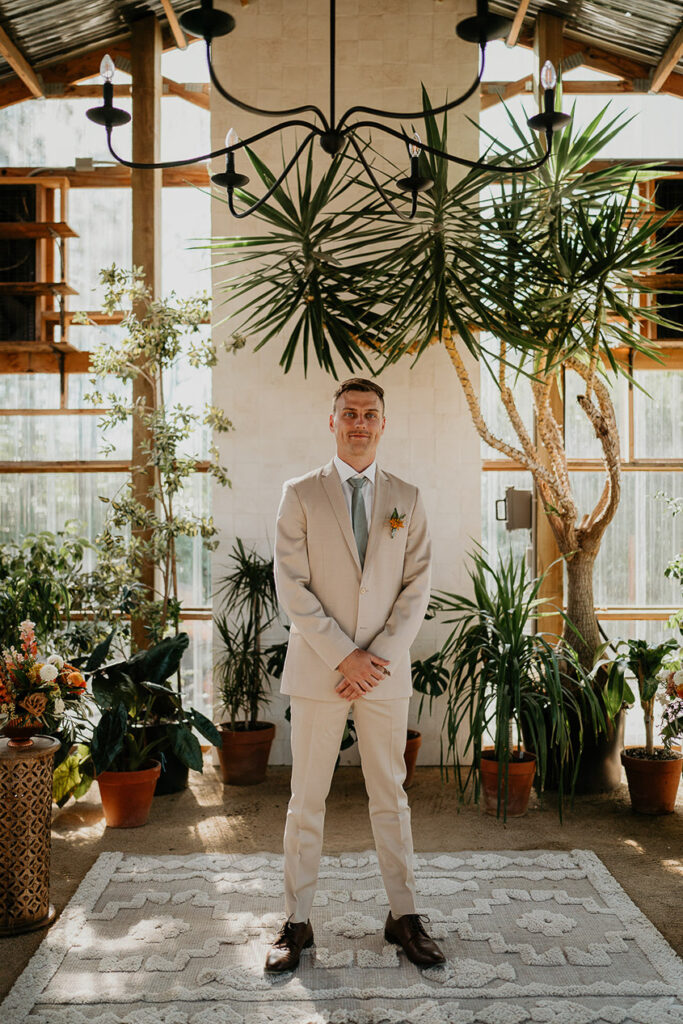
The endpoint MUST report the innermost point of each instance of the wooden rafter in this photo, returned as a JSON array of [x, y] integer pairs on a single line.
[[174, 24], [114, 176], [517, 22], [17, 61], [196, 93], [670, 59], [611, 63], [495, 92]]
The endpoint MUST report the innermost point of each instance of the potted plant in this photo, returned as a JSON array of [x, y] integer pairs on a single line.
[[653, 773], [140, 715], [244, 666], [504, 682]]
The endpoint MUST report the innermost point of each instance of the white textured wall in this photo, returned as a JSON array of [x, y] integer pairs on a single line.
[[277, 57]]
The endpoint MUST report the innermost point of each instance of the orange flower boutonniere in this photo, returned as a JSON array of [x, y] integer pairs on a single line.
[[396, 521]]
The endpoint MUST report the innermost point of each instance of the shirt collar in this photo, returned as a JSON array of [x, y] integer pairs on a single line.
[[346, 472]]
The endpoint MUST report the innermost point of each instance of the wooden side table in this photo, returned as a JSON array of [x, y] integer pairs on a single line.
[[25, 819]]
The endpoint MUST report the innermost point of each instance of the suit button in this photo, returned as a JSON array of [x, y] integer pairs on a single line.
[[363, 590]]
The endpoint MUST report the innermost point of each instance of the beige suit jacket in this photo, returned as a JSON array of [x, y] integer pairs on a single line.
[[334, 605]]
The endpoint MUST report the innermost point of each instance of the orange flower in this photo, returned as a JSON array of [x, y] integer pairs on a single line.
[[76, 682]]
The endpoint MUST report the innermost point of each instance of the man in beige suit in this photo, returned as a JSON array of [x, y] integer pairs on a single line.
[[352, 567]]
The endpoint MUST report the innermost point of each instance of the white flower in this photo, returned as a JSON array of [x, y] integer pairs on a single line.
[[678, 677], [48, 673], [55, 660], [60, 706]]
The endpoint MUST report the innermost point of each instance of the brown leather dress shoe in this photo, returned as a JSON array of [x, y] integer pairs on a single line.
[[284, 954], [409, 933]]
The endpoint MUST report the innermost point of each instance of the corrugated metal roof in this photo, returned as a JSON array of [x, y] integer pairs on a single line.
[[50, 30], [640, 28]]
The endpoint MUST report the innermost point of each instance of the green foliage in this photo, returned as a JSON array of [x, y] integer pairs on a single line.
[[134, 696], [248, 607], [45, 578], [502, 679], [157, 335], [645, 661]]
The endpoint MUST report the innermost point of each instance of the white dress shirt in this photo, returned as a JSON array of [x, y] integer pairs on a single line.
[[345, 473]]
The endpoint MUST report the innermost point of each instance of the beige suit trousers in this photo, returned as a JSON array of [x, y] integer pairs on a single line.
[[317, 730]]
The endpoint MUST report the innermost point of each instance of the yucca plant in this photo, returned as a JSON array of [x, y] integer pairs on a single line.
[[249, 606], [519, 688]]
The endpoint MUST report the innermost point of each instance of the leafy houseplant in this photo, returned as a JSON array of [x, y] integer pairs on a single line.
[[502, 680], [244, 665], [142, 533], [133, 697], [653, 773]]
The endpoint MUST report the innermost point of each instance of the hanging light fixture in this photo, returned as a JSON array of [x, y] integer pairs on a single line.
[[334, 133]]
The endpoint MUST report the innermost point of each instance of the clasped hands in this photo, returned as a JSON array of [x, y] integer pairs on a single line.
[[362, 671]]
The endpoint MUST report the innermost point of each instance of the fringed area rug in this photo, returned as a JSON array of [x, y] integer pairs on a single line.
[[541, 937]]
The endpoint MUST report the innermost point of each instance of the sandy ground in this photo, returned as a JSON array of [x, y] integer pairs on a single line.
[[644, 854]]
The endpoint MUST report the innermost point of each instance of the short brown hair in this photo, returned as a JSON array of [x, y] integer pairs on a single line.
[[358, 384]]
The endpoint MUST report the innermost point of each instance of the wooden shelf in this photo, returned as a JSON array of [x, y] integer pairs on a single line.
[[52, 316], [36, 229], [7, 347], [37, 288]]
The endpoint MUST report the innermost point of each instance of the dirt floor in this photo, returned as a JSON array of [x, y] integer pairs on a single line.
[[644, 854]]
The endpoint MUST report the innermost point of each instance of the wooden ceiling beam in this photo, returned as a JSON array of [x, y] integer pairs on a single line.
[[19, 64], [174, 24], [670, 59], [496, 92], [517, 22], [610, 63], [196, 93], [111, 177]]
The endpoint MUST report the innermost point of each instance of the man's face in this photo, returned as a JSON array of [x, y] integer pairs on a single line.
[[357, 423]]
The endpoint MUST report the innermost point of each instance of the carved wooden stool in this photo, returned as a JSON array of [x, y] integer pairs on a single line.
[[25, 818]]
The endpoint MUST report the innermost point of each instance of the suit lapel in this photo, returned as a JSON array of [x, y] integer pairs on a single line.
[[379, 518], [333, 489]]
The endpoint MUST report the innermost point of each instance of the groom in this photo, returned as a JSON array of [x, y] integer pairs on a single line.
[[352, 567]]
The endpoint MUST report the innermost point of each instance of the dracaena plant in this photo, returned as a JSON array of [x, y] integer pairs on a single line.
[[537, 275]]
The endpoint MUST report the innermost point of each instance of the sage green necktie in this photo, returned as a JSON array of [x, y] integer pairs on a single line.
[[359, 520]]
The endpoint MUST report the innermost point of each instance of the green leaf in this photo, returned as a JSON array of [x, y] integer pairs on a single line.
[[206, 727], [109, 737], [185, 746]]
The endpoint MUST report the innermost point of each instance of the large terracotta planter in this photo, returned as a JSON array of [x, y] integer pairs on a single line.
[[652, 784], [245, 752], [520, 780], [413, 744], [127, 796]]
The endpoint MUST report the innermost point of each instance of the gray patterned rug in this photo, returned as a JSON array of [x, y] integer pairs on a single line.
[[541, 937]]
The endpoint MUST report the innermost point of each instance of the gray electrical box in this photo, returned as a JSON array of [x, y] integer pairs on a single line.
[[517, 509]]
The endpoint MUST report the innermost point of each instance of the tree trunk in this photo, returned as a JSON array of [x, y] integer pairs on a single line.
[[581, 608]]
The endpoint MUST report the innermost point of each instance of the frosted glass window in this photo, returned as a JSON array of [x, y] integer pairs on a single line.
[[56, 438], [197, 666], [639, 543], [658, 415], [30, 502], [194, 561], [28, 391], [102, 218]]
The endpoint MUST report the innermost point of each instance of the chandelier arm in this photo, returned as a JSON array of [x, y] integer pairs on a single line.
[[276, 184], [256, 110], [368, 170], [443, 109], [138, 166], [512, 168]]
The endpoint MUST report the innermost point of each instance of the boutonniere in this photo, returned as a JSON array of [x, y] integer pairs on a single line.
[[396, 521]]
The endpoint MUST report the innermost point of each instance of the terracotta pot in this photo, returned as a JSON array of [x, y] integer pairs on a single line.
[[19, 732], [520, 780], [244, 754], [652, 784], [127, 796], [413, 744]]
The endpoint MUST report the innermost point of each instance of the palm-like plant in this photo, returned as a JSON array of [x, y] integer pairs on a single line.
[[645, 661], [554, 265], [249, 607], [508, 683]]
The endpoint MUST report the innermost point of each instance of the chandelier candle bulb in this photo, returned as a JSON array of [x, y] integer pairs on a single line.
[[548, 81], [107, 68]]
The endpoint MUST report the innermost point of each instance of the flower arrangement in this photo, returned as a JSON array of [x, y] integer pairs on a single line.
[[34, 692], [672, 715]]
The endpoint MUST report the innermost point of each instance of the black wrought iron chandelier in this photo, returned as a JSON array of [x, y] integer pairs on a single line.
[[335, 133]]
